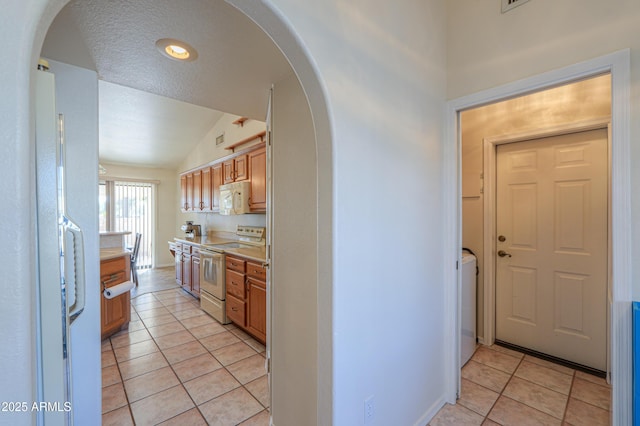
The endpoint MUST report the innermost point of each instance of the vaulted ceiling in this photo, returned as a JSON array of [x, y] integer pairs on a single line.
[[153, 103]]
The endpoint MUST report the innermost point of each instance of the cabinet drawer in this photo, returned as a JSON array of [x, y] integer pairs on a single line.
[[235, 284], [235, 264], [255, 270], [236, 310], [112, 266], [186, 248], [195, 251]]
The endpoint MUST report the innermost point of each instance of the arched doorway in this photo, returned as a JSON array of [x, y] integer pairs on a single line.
[[284, 37]]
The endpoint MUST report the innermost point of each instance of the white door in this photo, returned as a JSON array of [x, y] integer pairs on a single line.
[[551, 243]]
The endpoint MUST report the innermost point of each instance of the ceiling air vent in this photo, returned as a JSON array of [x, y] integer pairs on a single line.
[[507, 5]]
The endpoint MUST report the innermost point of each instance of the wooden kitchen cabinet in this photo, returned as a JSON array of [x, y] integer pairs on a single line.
[[211, 181], [187, 261], [178, 263], [258, 175], [206, 190], [183, 193], [198, 201], [115, 313], [216, 181], [235, 169], [189, 204], [195, 271], [257, 308], [200, 189], [247, 296]]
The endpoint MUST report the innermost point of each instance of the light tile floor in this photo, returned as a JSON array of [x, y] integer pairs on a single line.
[[504, 387], [176, 365]]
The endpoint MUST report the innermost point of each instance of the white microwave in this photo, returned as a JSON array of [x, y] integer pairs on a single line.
[[234, 198]]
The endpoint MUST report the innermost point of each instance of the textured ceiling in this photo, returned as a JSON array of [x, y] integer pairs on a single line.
[[236, 65]]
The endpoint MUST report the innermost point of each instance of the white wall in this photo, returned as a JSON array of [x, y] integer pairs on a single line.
[[166, 200], [487, 49], [383, 66], [581, 101], [294, 261]]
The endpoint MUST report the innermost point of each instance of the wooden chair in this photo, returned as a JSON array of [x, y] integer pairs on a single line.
[[134, 258]]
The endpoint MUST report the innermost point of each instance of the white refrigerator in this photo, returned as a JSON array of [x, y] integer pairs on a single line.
[[68, 307]]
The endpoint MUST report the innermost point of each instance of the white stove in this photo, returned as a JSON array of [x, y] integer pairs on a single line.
[[213, 270]]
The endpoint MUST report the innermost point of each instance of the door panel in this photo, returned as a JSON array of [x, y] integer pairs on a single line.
[[551, 282]]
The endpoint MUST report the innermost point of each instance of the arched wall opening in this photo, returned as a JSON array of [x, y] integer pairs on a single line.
[[286, 394]]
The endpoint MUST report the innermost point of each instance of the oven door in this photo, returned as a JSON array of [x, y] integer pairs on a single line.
[[212, 270]]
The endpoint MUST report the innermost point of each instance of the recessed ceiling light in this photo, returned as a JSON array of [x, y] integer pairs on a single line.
[[176, 49]]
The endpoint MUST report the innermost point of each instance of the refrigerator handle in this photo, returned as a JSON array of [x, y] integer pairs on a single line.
[[79, 281]]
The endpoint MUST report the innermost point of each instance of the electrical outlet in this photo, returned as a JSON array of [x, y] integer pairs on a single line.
[[369, 410]]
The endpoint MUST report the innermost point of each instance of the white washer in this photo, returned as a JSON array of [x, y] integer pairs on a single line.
[[468, 308]]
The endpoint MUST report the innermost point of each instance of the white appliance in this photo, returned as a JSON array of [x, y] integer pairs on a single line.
[[212, 284], [213, 290], [468, 308], [61, 281], [234, 198], [67, 336]]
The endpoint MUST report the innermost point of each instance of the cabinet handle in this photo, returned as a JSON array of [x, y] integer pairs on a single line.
[[234, 309]]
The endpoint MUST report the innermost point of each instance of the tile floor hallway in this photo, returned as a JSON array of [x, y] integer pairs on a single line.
[[177, 365], [504, 387]]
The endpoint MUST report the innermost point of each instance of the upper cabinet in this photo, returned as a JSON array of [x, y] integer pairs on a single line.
[[200, 189], [258, 168], [235, 169]]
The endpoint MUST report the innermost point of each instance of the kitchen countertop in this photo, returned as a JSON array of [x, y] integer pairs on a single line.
[[204, 240], [113, 253], [115, 233]]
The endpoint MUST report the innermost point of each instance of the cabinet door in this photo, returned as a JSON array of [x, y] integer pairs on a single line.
[[241, 171], [195, 275], [206, 190], [189, 204], [257, 308], [186, 272], [197, 191], [115, 312], [178, 260], [258, 176], [216, 181], [183, 193], [228, 171]]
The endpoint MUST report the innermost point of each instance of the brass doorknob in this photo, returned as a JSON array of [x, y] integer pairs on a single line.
[[503, 253]]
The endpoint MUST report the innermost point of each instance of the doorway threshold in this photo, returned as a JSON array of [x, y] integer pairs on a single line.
[[553, 359]]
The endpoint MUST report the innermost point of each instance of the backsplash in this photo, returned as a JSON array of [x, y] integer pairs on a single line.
[[215, 222]]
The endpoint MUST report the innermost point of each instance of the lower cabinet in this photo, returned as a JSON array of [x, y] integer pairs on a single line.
[[187, 261], [247, 296], [115, 313]]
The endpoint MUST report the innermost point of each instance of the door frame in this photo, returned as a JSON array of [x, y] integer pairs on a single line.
[[490, 146], [618, 64]]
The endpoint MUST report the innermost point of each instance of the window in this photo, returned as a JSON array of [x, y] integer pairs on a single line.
[[130, 206]]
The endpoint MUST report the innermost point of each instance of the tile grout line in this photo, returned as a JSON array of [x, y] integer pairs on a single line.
[[503, 388], [153, 338], [573, 376]]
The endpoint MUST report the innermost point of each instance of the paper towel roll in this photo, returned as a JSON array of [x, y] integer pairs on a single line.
[[117, 290]]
